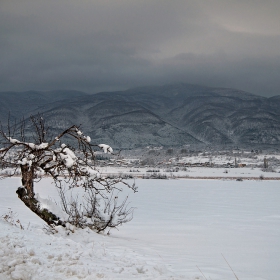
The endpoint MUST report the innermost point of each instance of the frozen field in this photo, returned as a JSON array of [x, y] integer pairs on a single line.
[[180, 230]]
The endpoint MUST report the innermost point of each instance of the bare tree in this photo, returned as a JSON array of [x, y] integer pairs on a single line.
[[29, 149], [265, 162]]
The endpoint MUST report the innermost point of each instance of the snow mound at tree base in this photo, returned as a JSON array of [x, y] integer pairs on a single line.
[[32, 254]]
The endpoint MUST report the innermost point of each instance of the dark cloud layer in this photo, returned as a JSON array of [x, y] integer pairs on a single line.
[[95, 45]]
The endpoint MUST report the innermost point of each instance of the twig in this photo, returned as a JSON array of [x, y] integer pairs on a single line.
[[201, 273], [230, 267]]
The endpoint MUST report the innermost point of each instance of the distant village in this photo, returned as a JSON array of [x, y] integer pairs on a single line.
[[160, 158]]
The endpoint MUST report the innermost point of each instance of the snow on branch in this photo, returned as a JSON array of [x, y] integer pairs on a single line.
[[106, 148]]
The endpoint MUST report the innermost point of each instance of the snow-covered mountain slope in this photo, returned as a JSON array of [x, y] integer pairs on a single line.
[[169, 115]]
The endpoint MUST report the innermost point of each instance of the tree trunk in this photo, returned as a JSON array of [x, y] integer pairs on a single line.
[[27, 195], [27, 175]]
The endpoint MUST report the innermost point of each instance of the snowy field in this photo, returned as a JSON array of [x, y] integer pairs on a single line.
[[194, 172], [181, 230]]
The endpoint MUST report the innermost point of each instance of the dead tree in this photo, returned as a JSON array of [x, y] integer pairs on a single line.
[[28, 149]]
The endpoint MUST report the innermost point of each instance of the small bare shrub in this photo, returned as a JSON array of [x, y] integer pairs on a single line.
[[155, 176], [268, 169], [95, 211], [11, 218]]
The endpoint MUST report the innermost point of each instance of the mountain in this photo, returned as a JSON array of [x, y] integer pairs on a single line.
[[172, 115]]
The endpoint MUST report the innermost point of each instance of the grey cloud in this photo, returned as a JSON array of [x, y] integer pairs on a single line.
[[107, 45], [253, 74]]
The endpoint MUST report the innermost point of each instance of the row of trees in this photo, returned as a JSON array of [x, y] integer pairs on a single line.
[[29, 148]]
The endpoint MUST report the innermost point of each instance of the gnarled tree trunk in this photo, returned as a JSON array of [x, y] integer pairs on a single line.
[[27, 195]]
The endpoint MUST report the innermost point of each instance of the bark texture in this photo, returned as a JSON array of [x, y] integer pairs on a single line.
[[27, 175]]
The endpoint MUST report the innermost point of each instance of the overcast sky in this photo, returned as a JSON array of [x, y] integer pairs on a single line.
[[96, 45]]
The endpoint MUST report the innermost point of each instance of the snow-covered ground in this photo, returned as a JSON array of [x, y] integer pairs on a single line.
[[180, 230], [193, 172], [245, 158]]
